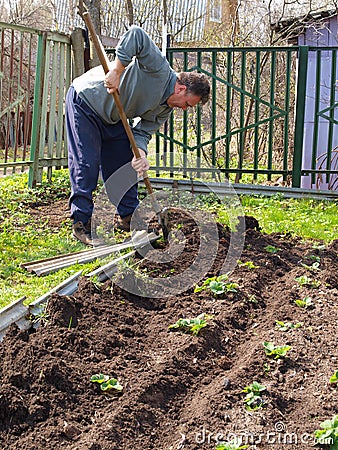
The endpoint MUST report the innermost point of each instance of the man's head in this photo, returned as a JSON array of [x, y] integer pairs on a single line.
[[190, 89]]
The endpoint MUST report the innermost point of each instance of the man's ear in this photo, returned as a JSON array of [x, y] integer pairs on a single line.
[[179, 88]]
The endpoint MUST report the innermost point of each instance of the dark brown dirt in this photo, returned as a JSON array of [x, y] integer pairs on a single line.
[[180, 391]]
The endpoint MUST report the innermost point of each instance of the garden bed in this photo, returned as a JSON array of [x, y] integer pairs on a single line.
[[181, 391]]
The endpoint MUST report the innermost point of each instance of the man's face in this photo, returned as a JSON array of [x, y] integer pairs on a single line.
[[181, 99]]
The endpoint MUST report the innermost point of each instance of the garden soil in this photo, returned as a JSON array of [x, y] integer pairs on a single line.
[[180, 391]]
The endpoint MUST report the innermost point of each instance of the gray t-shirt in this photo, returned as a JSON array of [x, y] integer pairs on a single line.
[[145, 86]]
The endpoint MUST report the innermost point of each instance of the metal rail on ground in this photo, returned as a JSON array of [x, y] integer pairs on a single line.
[[49, 265], [228, 189], [21, 314]]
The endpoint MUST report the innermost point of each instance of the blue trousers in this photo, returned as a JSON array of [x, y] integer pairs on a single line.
[[94, 146]]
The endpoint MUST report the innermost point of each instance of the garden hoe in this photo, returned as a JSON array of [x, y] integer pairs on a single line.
[[162, 214]]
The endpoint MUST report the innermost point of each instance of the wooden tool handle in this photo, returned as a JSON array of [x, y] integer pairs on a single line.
[[105, 64]]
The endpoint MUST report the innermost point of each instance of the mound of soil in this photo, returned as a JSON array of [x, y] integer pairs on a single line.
[[180, 391]]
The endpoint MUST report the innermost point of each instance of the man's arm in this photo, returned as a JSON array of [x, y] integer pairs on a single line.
[[134, 43], [112, 78]]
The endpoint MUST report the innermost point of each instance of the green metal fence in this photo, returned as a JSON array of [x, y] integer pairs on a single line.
[[246, 130], [266, 119], [35, 73]]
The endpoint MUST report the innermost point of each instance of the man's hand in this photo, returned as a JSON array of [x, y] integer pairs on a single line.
[[140, 165], [112, 78]]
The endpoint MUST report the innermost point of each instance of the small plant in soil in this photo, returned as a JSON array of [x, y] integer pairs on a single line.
[[328, 435], [107, 384], [271, 249], [41, 318], [334, 378], [286, 326], [304, 280], [192, 326], [315, 258], [248, 264], [253, 397], [305, 303], [217, 285], [317, 246], [313, 268], [275, 351], [266, 368], [234, 444], [252, 299]]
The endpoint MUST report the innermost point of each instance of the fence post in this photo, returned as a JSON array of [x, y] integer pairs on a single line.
[[301, 74], [37, 109]]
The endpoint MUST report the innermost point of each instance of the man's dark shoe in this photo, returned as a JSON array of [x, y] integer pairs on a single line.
[[83, 232], [122, 223]]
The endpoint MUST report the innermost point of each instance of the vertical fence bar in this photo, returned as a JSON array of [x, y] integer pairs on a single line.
[[37, 115], [17, 113], [9, 126], [198, 124], [51, 109], [213, 106], [157, 155], [286, 117], [60, 96], [171, 133], [227, 158], [303, 54], [28, 116], [2, 55], [241, 116], [332, 103], [271, 112], [185, 123], [165, 125], [67, 78], [257, 94], [316, 116], [2, 88], [44, 106]]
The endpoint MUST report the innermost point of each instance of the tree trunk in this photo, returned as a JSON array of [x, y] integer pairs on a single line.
[[130, 12], [93, 7]]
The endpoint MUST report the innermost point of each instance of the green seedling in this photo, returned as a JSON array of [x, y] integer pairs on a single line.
[[96, 282], [252, 299], [334, 378], [317, 246], [305, 303], [234, 444], [41, 317], [313, 268], [306, 281], [192, 326], [266, 368], [286, 326], [315, 258], [217, 285], [271, 249], [274, 351], [107, 384], [328, 435], [253, 397], [248, 264]]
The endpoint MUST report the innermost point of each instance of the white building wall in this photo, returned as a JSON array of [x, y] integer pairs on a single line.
[[326, 36]]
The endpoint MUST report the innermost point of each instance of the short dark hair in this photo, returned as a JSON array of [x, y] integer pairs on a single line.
[[196, 83]]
